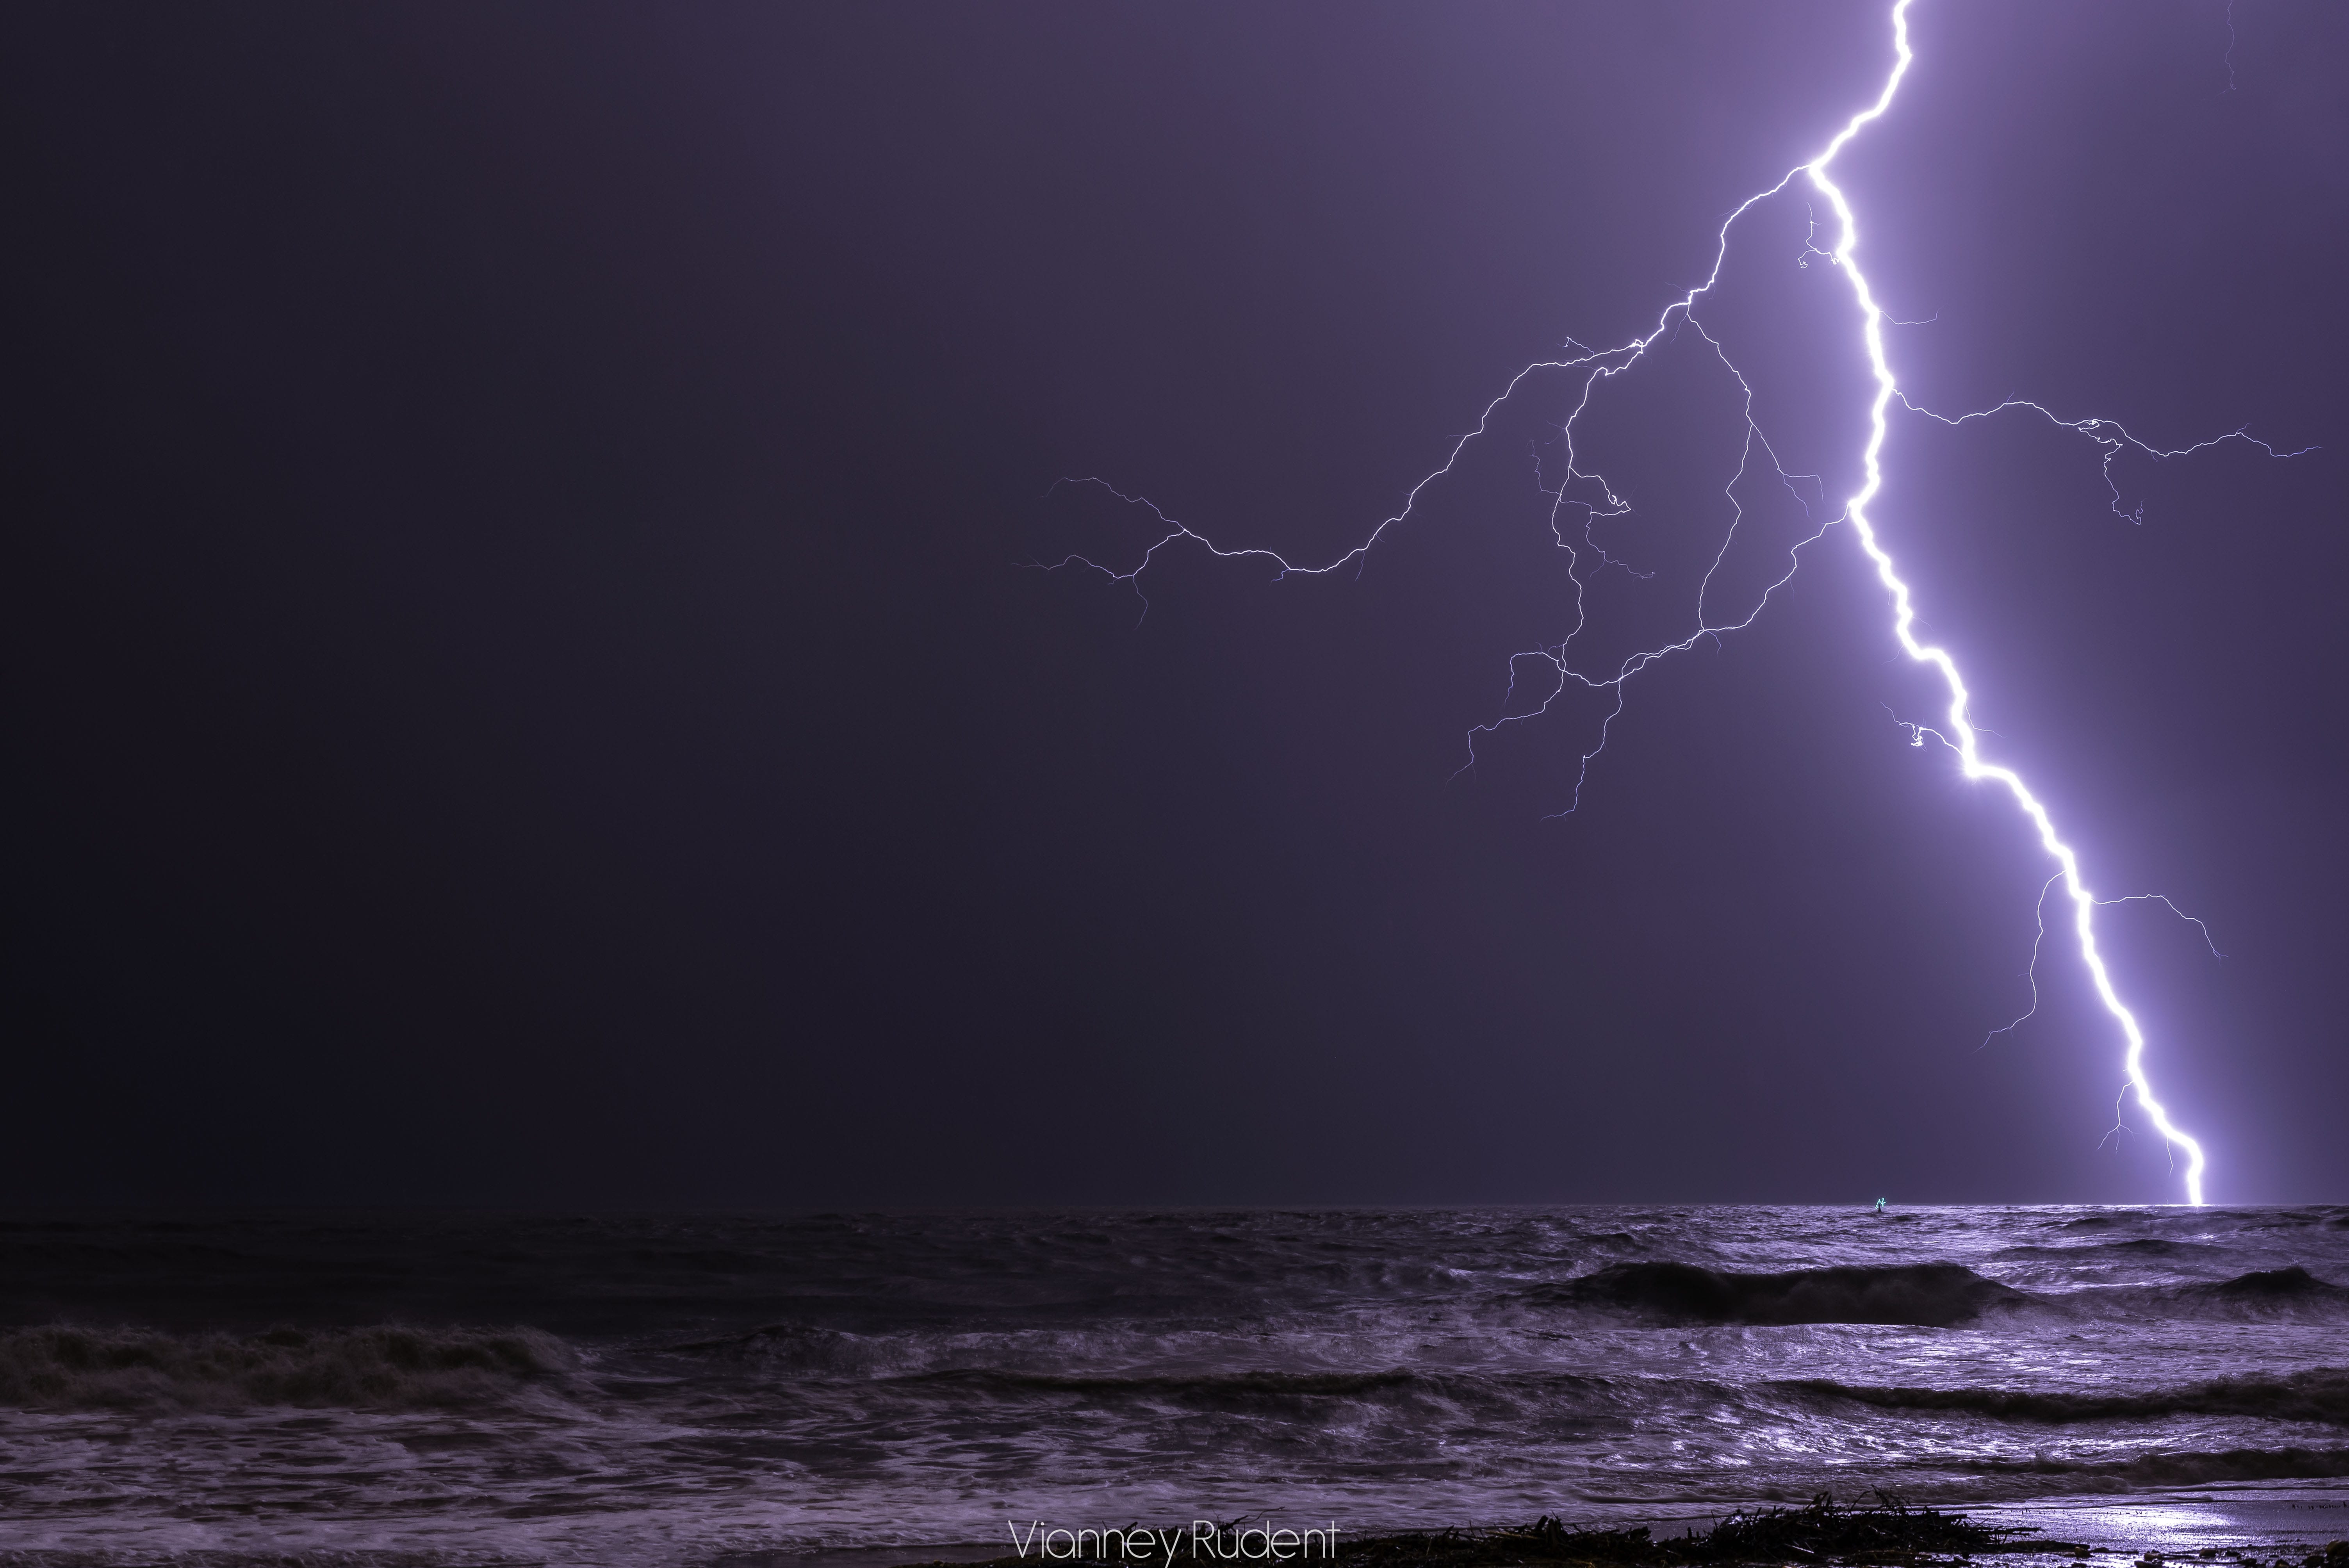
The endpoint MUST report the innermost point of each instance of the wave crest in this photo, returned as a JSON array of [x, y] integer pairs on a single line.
[[2282, 1295], [1924, 1296], [2318, 1396], [2185, 1469], [1204, 1388], [2294, 1284], [388, 1365]]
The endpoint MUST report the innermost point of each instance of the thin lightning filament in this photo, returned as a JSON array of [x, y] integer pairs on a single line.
[[1554, 665]]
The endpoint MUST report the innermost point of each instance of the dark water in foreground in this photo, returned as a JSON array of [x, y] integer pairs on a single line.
[[664, 1389]]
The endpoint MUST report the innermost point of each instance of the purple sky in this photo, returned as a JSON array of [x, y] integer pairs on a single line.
[[526, 692]]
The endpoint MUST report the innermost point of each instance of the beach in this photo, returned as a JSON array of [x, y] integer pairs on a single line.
[[858, 1390]]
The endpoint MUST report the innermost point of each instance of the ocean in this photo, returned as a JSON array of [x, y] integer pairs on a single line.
[[236, 1387]]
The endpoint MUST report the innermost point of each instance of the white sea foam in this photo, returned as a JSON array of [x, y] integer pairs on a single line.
[[688, 1387]]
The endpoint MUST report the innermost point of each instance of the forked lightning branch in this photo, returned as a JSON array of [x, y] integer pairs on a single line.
[[1559, 662]]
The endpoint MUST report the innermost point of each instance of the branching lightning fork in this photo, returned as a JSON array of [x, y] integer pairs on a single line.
[[1595, 366]]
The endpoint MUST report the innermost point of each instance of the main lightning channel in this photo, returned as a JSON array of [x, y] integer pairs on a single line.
[[1595, 367], [1904, 617]]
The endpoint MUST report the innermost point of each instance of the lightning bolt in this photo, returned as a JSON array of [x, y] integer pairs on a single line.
[[1599, 500]]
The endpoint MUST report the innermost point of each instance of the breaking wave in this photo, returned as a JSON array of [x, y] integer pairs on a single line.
[[2180, 1469], [1217, 1386], [2283, 1294], [2320, 1395], [1924, 1296], [788, 1346], [2294, 1283], [387, 1367]]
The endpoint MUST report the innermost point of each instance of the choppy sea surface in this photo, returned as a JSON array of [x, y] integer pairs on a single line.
[[468, 1388]]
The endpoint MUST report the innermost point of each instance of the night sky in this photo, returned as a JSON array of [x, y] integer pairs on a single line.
[[521, 687]]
